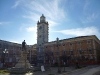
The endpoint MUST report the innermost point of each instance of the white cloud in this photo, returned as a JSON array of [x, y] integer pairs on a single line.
[[30, 33], [2, 23], [90, 18], [31, 29], [32, 16], [80, 31], [87, 15], [14, 41], [87, 3], [17, 3], [50, 8], [30, 38]]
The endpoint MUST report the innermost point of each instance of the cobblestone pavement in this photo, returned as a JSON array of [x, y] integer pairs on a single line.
[[90, 70]]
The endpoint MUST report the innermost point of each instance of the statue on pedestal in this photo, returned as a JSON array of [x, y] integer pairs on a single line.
[[23, 64]]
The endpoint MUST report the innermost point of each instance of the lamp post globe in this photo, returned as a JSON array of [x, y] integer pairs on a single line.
[[4, 52]]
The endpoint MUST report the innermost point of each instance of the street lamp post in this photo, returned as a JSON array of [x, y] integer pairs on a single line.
[[4, 52], [30, 53], [30, 56], [59, 69]]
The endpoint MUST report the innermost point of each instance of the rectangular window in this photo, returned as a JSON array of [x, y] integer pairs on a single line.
[[64, 51], [71, 52], [14, 54], [88, 41], [70, 44], [51, 53], [90, 50], [57, 45], [63, 44], [80, 51], [78, 42]]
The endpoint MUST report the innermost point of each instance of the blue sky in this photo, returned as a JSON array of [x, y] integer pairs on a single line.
[[66, 18]]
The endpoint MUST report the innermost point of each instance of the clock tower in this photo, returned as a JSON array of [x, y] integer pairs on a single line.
[[42, 37]]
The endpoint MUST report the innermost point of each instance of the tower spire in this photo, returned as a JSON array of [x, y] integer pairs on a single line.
[[42, 18], [42, 14]]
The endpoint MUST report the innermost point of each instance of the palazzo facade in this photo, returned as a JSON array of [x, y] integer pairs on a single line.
[[84, 49]]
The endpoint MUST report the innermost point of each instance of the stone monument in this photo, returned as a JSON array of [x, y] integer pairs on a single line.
[[23, 64]]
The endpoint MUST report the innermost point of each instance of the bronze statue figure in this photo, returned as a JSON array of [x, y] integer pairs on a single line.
[[23, 45]]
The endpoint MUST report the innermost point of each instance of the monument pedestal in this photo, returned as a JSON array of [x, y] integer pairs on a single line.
[[23, 64]]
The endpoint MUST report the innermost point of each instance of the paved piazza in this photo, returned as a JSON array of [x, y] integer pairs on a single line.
[[90, 70]]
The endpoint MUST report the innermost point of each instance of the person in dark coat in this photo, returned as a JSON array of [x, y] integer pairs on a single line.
[[77, 64]]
